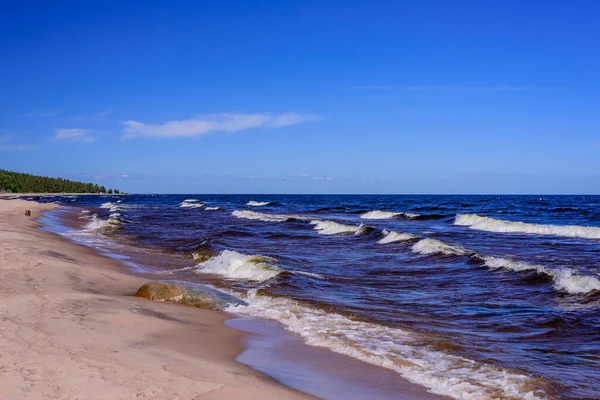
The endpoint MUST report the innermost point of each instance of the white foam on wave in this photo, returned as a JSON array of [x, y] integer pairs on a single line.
[[393, 348], [96, 224], [325, 227], [564, 279], [245, 214], [253, 203], [387, 215], [234, 265], [393, 237], [113, 207], [212, 208], [434, 246], [191, 205], [477, 222]]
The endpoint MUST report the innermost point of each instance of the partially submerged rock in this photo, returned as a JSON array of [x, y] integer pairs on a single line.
[[188, 293]]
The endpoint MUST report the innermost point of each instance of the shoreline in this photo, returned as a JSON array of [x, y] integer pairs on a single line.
[[71, 329]]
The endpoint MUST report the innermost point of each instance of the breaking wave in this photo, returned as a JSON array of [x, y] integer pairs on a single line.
[[396, 349], [112, 207], [245, 214], [253, 203], [234, 265], [434, 246], [212, 208], [477, 222], [393, 237], [388, 214], [97, 224], [191, 203], [564, 279], [335, 228]]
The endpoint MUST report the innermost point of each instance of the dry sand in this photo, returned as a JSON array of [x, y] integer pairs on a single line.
[[69, 329]]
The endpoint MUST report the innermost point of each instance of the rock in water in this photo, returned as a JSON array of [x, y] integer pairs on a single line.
[[188, 293]]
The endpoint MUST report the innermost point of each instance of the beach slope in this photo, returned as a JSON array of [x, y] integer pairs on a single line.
[[69, 329]]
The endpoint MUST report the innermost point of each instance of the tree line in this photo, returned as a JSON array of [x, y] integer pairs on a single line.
[[17, 182]]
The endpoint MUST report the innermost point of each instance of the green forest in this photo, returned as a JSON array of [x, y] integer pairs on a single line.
[[17, 182]]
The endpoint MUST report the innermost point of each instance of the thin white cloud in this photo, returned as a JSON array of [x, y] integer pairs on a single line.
[[309, 177], [105, 113], [206, 124], [74, 135], [5, 145], [42, 114], [449, 88], [467, 88], [97, 116]]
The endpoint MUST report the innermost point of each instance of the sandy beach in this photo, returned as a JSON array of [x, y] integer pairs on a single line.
[[70, 329]]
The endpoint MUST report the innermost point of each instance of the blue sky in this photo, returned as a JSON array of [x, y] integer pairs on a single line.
[[304, 96]]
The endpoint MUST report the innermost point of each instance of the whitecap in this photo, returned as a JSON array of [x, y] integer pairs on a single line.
[[563, 279], [387, 215], [113, 207], [393, 237], [245, 214], [325, 227], [434, 246], [253, 203], [477, 222], [212, 208], [234, 265], [96, 223], [191, 204]]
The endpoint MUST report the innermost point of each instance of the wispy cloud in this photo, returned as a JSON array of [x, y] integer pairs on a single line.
[[97, 116], [5, 145], [448, 88], [206, 124], [74, 135], [104, 113], [41, 114], [308, 177]]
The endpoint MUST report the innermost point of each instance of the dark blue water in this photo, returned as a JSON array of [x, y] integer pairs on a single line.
[[500, 307]]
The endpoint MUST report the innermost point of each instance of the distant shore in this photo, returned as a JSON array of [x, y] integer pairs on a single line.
[[71, 329], [19, 195]]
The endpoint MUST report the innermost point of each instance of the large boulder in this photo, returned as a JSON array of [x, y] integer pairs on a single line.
[[188, 293]]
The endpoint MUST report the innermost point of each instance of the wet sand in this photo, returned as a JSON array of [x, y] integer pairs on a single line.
[[69, 329]]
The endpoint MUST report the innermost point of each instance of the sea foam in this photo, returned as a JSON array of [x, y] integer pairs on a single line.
[[96, 224], [434, 246], [393, 348], [477, 222], [325, 227], [253, 203], [245, 214], [191, 203], [563, 279], [387, 215], [112, 207], [234, 265], [393, 237]]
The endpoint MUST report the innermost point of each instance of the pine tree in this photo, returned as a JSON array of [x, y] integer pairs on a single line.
[[26, 183]]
